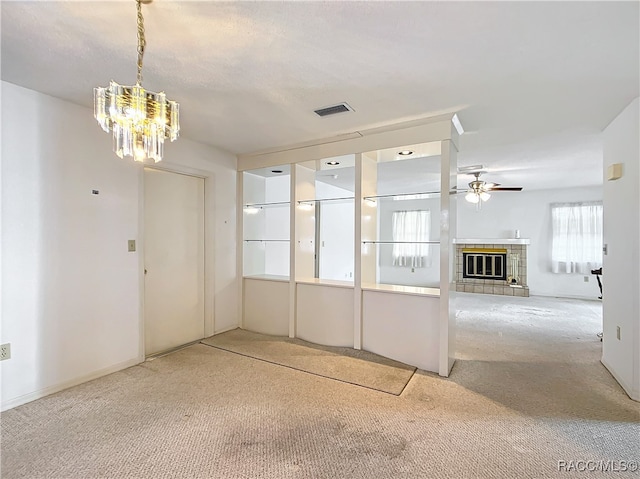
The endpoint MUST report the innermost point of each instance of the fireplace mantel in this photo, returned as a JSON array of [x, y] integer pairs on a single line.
[[492, 241]]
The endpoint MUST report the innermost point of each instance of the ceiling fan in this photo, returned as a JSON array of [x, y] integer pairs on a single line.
[[479, 189]]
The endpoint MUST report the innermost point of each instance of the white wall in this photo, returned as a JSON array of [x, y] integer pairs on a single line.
[[621, 235], [336, 233], [429, 276], [218, 167], [277, 189], [72, 294], [530, 212]]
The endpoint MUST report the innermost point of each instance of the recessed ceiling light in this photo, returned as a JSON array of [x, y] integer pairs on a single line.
[[405, 152], [333, 163], [276, 171]]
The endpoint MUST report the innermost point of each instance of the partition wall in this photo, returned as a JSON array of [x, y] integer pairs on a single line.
[[348, 242]]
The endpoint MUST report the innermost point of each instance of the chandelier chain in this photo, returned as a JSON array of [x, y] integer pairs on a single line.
[[142, 43]]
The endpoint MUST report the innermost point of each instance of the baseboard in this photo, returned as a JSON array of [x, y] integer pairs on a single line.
[[20, 400], [565, 296], [230, 328], [633, 394]]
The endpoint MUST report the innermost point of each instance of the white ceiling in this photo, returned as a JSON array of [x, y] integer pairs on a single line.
[[533, 83]]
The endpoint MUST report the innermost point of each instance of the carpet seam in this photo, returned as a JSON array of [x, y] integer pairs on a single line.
[[309, 372], [408, 381]]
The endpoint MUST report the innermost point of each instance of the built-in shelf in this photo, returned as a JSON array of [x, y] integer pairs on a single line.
[[267, 205], [401, 242], [321, 200], [326, 282], [492, 241], [423, 195], [268, 277], [400, 289], [266, 241]]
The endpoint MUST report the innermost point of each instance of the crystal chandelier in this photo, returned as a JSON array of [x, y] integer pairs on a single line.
[[140, 119]]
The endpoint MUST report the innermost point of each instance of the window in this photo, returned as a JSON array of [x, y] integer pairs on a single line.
[[577, 237], [410, 227]]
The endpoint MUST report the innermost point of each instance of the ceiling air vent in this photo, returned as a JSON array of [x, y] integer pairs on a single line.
[[332, 110]]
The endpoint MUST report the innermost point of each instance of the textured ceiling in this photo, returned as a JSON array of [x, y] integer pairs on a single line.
[[533, 83]]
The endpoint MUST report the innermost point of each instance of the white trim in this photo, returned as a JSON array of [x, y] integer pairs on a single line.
[[20, 400], [141, 268], [633, 394], [565, 296], [240, 246]]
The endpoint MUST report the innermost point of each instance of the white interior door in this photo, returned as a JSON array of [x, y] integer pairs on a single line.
[[174, 260]]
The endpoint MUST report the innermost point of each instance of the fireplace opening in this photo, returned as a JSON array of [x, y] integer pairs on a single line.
[[484, 264]]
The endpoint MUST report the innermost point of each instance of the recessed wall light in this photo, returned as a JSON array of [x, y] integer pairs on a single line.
[[405, 152], [276, 171], [333, 163]]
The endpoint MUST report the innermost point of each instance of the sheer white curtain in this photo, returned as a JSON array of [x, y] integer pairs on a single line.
[[411, 226], [577, 237]]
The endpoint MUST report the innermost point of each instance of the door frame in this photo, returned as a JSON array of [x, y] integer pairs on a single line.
[[209, 238]]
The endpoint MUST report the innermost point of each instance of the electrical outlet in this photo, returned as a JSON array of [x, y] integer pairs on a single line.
[[5, 351], [586, 279], [618, 332], [131, 245]]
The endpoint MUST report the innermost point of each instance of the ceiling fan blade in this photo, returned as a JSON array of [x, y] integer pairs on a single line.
[[507, 188]]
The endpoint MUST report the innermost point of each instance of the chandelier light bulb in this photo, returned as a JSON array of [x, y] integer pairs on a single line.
[[484, 196]]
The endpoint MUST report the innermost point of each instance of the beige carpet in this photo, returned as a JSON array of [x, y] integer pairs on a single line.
[[528, 391], [359, 368]]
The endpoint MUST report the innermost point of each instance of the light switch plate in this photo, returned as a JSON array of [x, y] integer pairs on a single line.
[[614, 171], [5, 351], [131, 244]]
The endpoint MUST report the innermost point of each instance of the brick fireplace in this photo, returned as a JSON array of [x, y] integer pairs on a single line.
[[492, 266]]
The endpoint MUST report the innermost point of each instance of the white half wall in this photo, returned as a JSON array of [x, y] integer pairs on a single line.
[[72, 294], [402, 327], [266, 306], [621, 308], [530, 212], [325, 314]]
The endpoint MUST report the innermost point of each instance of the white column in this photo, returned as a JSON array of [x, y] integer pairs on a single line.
[[240, 245], [302, 258], [448, 204], [365, 229]]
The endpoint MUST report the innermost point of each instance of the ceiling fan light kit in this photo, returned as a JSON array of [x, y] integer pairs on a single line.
[[471, 197], [140, 120], [479, 189]]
